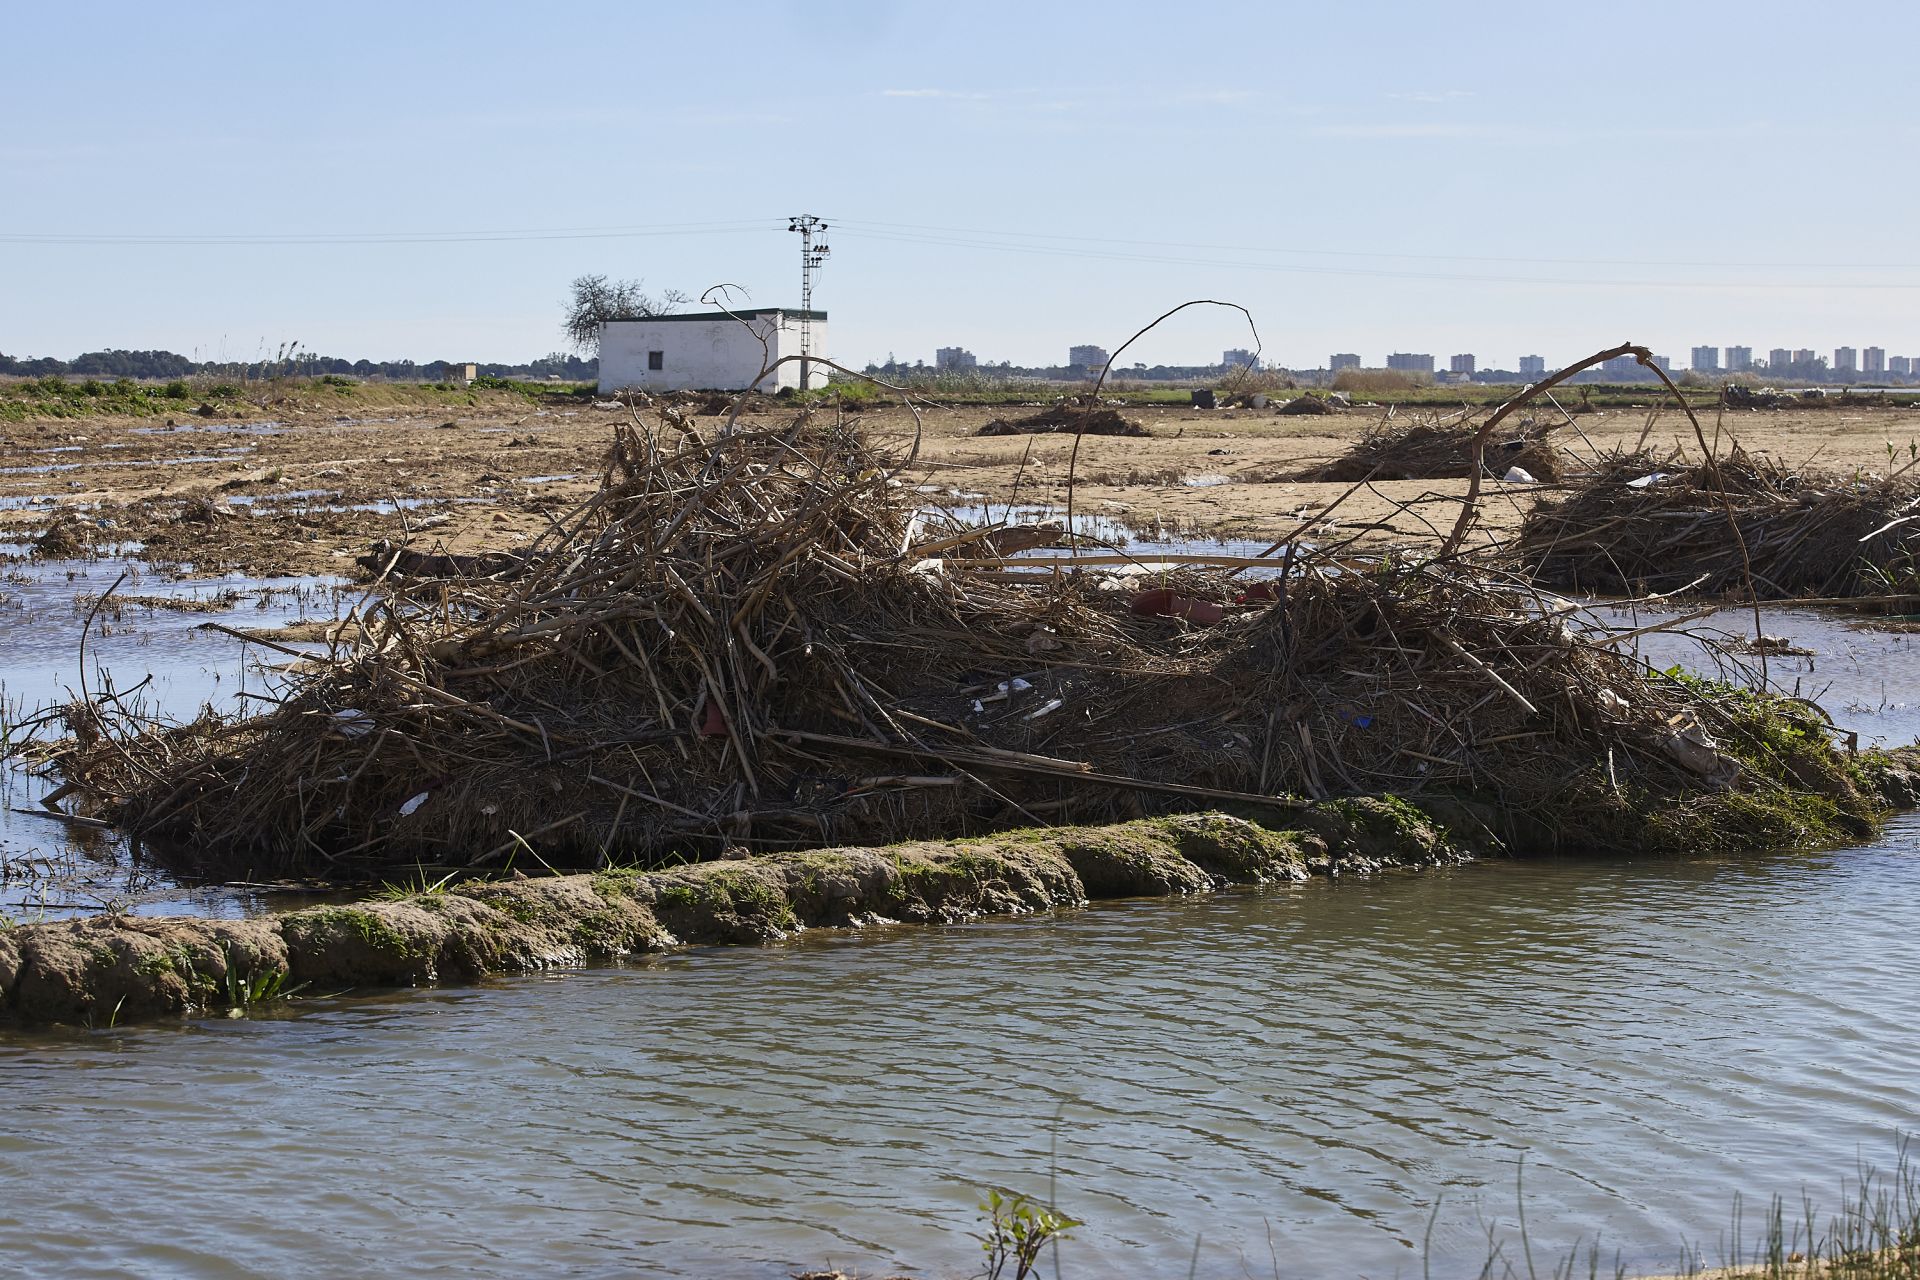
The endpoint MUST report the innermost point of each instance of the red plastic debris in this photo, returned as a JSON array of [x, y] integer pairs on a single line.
[[1259, 593], [715, 724], [1164, 602]]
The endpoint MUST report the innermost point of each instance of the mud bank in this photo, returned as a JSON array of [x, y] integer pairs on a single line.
[[114, 968]]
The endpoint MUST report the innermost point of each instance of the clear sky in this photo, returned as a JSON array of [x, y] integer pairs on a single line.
[[1487, 177]]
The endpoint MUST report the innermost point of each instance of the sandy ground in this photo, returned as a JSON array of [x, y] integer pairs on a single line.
[[264, 494]]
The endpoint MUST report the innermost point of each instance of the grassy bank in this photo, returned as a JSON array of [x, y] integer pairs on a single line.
[[111, 968], [54, 397]]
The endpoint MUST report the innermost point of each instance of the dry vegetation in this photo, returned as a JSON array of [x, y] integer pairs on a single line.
[[755, 638]]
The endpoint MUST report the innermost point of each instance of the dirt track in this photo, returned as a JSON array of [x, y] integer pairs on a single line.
[[233, 493]]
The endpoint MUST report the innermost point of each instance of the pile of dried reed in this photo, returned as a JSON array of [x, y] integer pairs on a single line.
[[755, 639], [1642, 522], [1066, 419], [1436, 451]]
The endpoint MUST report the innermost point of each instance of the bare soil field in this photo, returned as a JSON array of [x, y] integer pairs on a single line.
[[310, 489]]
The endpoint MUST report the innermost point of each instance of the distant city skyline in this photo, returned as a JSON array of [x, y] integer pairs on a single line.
[[1732, 359]]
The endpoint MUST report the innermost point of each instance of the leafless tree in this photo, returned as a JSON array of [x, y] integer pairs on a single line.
[[596, 298]]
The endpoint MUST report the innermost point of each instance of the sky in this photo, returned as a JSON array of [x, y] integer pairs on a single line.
[[422, 180]]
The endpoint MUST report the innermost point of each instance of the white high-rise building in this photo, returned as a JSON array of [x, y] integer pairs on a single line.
[[1533, 366], [1704, 360], [1873, 360], [1739, 359], [1845, 359]]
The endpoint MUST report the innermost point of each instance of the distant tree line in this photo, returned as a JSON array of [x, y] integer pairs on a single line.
[[164, 365]]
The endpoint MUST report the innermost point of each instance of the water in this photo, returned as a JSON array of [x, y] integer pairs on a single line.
[[1326, 1061], [50, 468], [1866, 679], [49, 869], [1142, 538]]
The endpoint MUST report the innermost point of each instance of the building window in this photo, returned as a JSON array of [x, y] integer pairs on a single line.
[[656, 360]]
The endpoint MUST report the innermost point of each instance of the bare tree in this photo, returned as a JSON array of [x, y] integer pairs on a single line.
[[596, 298]]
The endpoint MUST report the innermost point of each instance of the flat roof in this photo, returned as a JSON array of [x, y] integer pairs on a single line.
[[795, 312]]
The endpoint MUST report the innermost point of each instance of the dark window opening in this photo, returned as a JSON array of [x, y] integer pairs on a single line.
[[656, 359]]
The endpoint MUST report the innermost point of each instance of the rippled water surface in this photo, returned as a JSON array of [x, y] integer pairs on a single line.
[[1324, 1061]]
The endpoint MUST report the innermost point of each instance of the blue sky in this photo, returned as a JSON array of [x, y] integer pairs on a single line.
[[1487, 177]]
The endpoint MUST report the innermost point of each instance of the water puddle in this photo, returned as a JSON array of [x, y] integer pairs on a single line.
[[545, 479], [301, 502], [1103, 531], [268, 428], [52, 468], [1868, 681], [148, 642]]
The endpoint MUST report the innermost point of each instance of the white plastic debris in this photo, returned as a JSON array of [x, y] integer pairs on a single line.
[[1520, 475], [1644, 481], [353, 722], [407, 810], [1613, 702], [1689, 743], [1050, 706], [1015, 685]]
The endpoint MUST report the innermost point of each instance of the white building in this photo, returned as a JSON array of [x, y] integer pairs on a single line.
[[709, 351]]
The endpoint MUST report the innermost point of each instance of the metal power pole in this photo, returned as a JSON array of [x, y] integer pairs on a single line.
[[811, 256]]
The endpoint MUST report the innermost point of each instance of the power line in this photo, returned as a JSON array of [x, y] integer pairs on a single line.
[[1114, 255], [399, 237], [812, 254], [855, 223]]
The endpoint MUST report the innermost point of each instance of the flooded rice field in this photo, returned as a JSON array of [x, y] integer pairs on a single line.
[[1329, 1067]]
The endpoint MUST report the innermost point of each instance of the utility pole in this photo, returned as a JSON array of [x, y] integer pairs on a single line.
[[811, 256]]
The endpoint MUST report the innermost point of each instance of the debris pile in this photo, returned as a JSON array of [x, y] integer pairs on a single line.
[[1066, 419], [1644, 522], [761, 639], [1306, 405], [1431, 451]]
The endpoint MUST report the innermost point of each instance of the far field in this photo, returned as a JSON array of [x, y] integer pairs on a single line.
[[307, 481]]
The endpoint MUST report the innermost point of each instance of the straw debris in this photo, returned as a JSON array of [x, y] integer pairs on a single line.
[[1435, 451], [1645, 522], [762, 640], [1066, 419]]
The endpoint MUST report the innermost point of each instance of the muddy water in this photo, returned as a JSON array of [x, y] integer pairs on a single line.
[[1326, 1061]]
